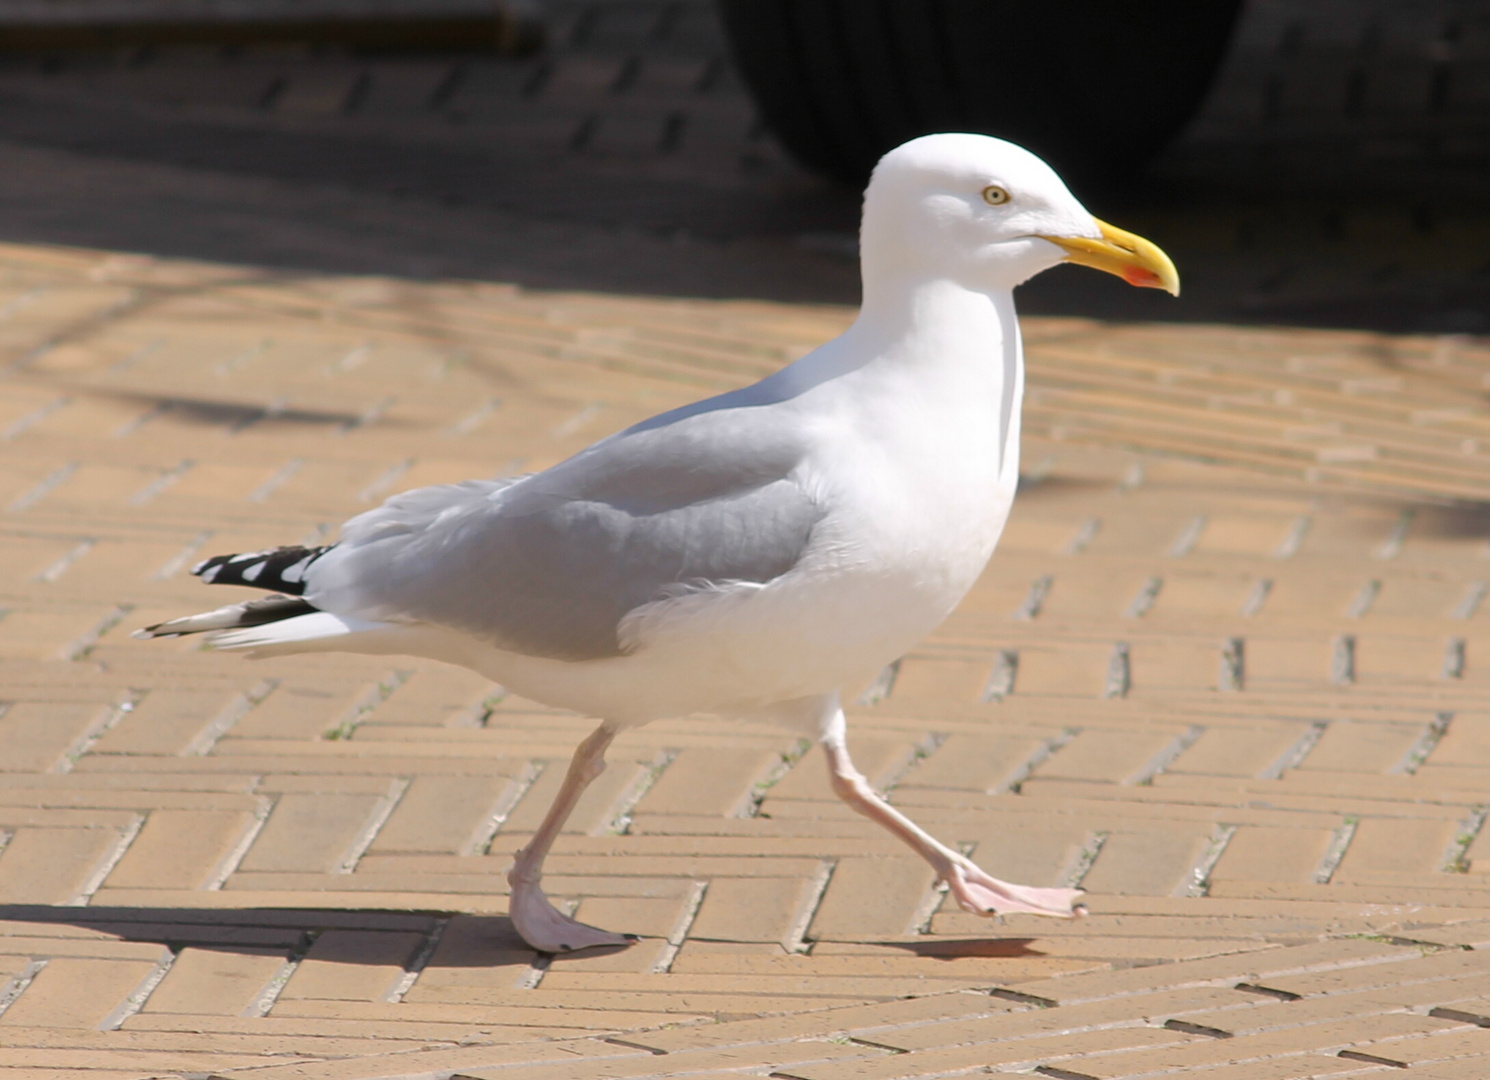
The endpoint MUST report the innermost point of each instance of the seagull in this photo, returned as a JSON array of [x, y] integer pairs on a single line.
[[761, 554]]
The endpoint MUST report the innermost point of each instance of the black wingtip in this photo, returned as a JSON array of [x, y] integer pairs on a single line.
[[280, 569]]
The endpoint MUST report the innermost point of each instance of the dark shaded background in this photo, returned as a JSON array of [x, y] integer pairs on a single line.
[[1338, 173]]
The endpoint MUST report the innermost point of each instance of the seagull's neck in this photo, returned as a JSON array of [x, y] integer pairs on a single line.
[[935, 319], [955, 349]]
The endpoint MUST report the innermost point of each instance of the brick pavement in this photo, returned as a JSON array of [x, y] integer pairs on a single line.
[[1239, 700], [1222, 672]]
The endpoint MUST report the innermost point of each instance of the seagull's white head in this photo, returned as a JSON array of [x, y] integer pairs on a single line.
[[989, 215]]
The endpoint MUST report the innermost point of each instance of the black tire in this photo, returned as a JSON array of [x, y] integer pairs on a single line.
[[1094, 86]]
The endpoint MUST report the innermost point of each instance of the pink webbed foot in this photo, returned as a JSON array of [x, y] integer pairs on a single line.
[[979, 893], [547, 929]]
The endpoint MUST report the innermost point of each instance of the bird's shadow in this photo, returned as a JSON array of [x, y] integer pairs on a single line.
[[375, 937], [415, 939], [968, 948]]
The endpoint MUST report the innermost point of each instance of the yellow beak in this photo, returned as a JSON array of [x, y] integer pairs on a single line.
[[1132, 258]]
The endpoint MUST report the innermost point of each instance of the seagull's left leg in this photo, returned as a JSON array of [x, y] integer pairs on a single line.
[[536, 919], [975, 891]]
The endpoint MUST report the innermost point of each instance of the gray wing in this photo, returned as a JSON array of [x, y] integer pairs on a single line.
[[549, 565]]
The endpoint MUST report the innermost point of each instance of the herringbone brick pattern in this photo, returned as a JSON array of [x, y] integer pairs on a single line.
[[1239, 701], [1223, 672]]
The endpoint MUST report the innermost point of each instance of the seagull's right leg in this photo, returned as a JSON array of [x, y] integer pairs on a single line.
[[975, 890], [536, 919]]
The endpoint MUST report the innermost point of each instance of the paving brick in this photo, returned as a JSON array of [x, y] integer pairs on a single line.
[[973, 762], [1386, 846], [1106, 756], [1465, 1068], [1035, 853], [650, 916], [352, 965], [166, 721], [434, 696], [1156, 862], [596, 808], [1262, 854], [444, 1059], [305, 711], [872, 896], [1349, 1034], [1056, 1049], [1407, 971], [179, 849], [1030, 1022], [1266, 964], [217, 982], [784, 1058], [1074, 671], [37, 734], [705, 781], [542, 1018], [475, 943], [1352, 746], [72, 992], [1473, 934], [51, 866], [876, 758], [752, 909], [445, 814], [956, 678], [309, 833], [1247, 750]]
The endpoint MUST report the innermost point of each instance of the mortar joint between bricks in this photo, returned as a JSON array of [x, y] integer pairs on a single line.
[[382, 811], [1166, 757], [485, 833], [1001, 678], [1335, 853], [105, 722], [896, 774], [18, 984], [883, 685], [419, 962], [1086, 856], [750, 805], [679, 933], [141, 994], [368, 703], [795, 940], [106, 865], [276, 984], [83, 647], [619, 823], [1423, 747], [1010, 785], [229, 864], [235, 710], [1456, 857]]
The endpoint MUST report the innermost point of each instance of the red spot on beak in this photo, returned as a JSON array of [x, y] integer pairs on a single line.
[[1144, 279]]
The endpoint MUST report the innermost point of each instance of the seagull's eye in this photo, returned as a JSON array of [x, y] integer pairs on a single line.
[[994, 195]]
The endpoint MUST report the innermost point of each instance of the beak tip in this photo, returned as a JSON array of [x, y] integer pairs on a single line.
[[1137, 261]]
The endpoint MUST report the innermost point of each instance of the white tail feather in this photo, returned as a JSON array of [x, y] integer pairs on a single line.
[[318, 632], [217, 619]]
